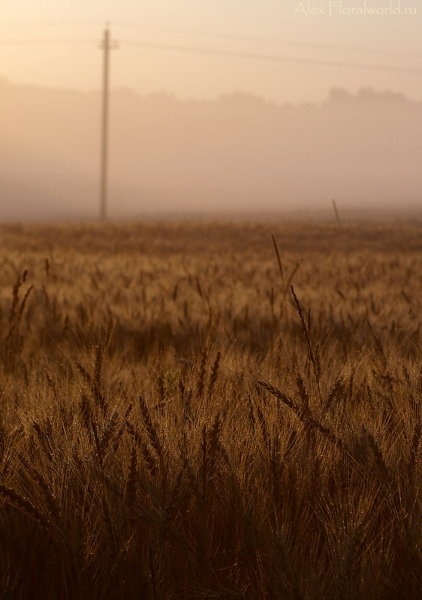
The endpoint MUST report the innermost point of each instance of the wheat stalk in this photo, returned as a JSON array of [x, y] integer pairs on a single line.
[[23, 505]]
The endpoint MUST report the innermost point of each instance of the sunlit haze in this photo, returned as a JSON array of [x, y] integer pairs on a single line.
[[223, 55], [201, 76]]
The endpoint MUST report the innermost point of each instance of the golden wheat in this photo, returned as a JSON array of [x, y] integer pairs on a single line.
[[201, 410]]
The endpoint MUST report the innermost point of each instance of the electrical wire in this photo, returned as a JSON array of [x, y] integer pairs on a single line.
[[271, 57], [262, 39], [48, 23], [223, 53], [45, 42], [216, 35]]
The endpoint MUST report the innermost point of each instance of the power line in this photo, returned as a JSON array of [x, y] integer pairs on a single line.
[[262, 39], [217, 35], [271, 57], [47, 23], [44, 42], [224, 53]]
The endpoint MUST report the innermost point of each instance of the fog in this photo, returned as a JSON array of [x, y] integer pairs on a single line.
[[237, 154]]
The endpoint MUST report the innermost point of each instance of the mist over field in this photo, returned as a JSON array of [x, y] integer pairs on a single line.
[[239, 153]]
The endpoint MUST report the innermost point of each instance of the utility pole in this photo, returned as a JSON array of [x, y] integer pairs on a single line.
[[106, 46]]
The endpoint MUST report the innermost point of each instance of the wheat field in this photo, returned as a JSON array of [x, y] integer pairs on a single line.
[[210, 410]]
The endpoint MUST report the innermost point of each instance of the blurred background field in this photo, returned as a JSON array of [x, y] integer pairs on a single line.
[[202, 410]]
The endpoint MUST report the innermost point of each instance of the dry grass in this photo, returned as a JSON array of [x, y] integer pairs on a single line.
[[186, 413]]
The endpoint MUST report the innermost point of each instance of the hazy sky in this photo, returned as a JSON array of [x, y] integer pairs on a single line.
[[396, 30]]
